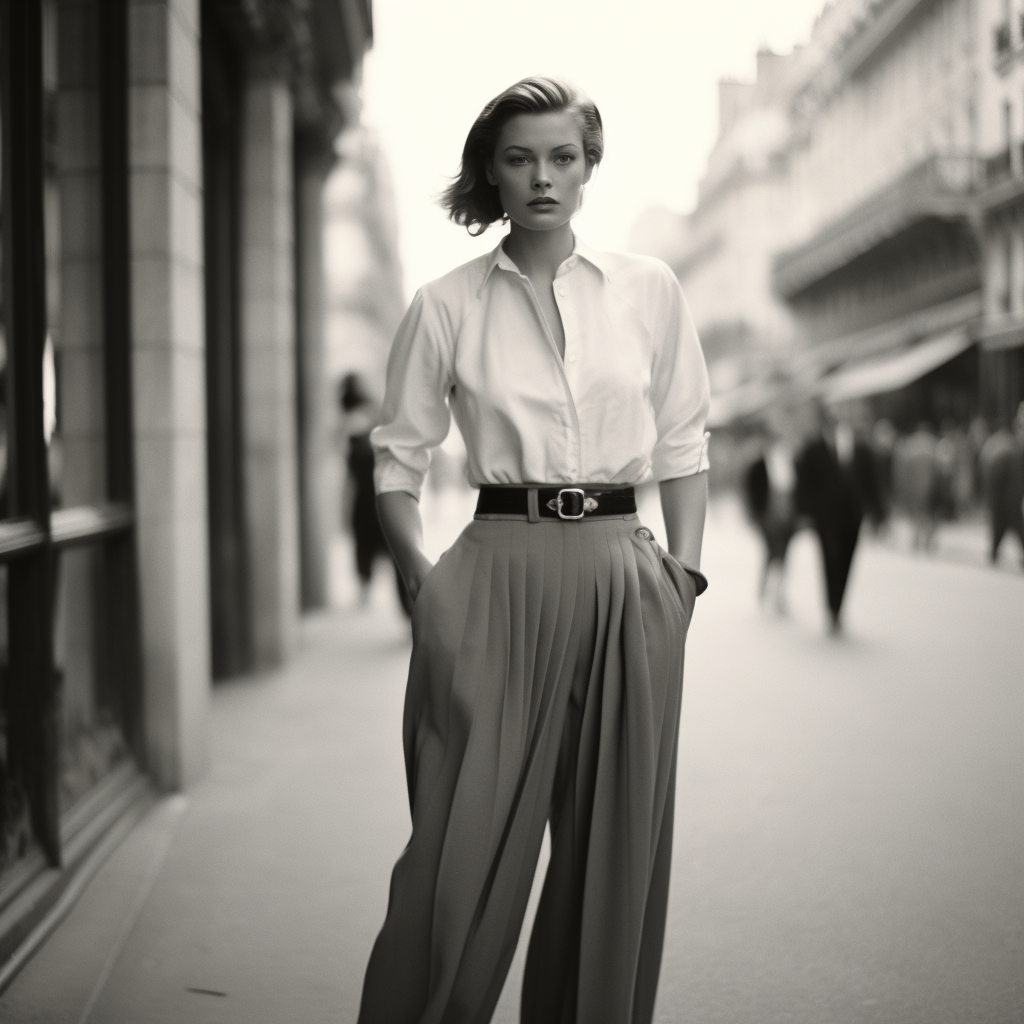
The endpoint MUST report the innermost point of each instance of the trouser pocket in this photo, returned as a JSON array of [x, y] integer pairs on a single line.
[[688, 583]]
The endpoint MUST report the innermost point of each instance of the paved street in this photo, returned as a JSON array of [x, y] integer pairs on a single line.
[[849, 830]]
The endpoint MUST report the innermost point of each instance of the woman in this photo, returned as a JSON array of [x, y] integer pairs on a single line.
[[546, 671], [359, 417], [769, 486]]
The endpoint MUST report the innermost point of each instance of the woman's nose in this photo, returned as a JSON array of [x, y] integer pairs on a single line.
[[541, 177]]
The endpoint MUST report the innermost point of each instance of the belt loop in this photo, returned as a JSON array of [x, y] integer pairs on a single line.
[[532, 505]]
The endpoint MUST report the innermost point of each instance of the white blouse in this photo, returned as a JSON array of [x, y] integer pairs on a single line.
[[626, 404]]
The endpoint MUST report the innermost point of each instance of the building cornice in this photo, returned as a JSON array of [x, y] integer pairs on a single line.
[[316, 45], [943, 187]]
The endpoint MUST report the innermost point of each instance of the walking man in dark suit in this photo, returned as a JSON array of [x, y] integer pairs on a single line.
[[835, 486]]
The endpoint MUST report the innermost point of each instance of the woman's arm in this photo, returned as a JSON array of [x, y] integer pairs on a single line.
[[684, 503], [399, 514]]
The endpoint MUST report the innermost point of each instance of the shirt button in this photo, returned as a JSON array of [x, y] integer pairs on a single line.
[[561, 291], [572, 357]]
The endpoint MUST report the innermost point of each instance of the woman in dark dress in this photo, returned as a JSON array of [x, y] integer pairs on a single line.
[[360, 418]]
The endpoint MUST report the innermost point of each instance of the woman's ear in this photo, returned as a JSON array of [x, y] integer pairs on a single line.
[[489, 173]]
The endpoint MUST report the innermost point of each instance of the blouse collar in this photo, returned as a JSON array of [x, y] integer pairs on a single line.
[[499, 258]]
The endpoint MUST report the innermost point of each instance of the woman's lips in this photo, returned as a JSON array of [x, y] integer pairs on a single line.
[[544, 201]]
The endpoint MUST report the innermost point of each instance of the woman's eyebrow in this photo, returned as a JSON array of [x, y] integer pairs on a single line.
[[527, 149]]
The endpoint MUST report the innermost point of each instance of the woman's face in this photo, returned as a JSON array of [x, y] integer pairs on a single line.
[[540, 169]]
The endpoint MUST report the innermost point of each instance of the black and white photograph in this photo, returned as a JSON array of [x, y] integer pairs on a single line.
[[511, 513]]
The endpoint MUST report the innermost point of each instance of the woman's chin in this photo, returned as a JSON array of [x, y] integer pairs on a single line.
[[548, 220]]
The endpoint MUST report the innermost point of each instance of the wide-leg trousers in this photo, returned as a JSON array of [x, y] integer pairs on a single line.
[[545, 684]]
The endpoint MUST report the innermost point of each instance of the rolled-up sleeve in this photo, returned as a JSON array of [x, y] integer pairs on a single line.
[[415, 417], [680, 395]]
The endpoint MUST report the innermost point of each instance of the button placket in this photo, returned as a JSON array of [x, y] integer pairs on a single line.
[[569, 362]]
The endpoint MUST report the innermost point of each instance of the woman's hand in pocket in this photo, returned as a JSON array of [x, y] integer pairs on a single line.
[[399, 514], [416, 573]]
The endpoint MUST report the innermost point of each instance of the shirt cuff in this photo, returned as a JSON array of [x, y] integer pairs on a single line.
[[391, 475], [685, 460]]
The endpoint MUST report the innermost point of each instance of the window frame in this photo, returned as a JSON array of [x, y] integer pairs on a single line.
[[33, 535]]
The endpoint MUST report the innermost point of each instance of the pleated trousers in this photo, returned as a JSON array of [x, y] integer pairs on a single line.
[[545, 684]]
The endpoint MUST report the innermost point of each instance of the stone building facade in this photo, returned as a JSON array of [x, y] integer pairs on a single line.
[[883, 251], [724, 248], [883, 205], [165, 407], [740, 213]]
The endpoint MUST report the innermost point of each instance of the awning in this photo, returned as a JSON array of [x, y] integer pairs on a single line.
[[894, 370], [941, 187]]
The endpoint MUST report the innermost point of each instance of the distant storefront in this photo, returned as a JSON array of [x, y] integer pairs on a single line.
[[163, 415]]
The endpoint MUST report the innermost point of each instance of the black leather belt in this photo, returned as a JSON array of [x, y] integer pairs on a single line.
[[572, 503]]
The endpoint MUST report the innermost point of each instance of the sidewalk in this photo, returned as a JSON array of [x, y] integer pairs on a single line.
[[225, 905], [966, 541]]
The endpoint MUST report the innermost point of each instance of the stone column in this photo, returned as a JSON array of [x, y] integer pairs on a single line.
[[169, 382], [268, 360], [313, 160]]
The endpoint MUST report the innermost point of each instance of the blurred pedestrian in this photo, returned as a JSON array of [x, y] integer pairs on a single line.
[[961, 470], [919, 484], [1002, 460], [977, 435], [946, 456], [769, 486], [546, 673], [835, 482], [883, 446], [360, 416]]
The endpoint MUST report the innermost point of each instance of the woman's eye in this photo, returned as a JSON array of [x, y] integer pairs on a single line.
[[517, 161], [564, 158]]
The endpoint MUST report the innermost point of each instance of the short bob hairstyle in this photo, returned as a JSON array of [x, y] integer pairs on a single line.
[[471, 200]]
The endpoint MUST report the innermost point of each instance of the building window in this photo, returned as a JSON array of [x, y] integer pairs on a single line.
[[1002, 40], [69, 707], [999, 165]]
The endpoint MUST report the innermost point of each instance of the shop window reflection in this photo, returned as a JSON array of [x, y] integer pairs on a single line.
[[91, 737], [15, 827]]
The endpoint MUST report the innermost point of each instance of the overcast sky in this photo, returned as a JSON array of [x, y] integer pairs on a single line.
[[650, 65]]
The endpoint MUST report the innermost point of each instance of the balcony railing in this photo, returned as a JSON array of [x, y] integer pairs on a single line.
[[1002, 39], [998, 167], [943, 186]]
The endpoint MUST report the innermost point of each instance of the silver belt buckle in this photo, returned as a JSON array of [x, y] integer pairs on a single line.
[[579, 502]]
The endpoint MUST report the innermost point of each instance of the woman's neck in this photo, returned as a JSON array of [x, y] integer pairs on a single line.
[[539, 252]]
